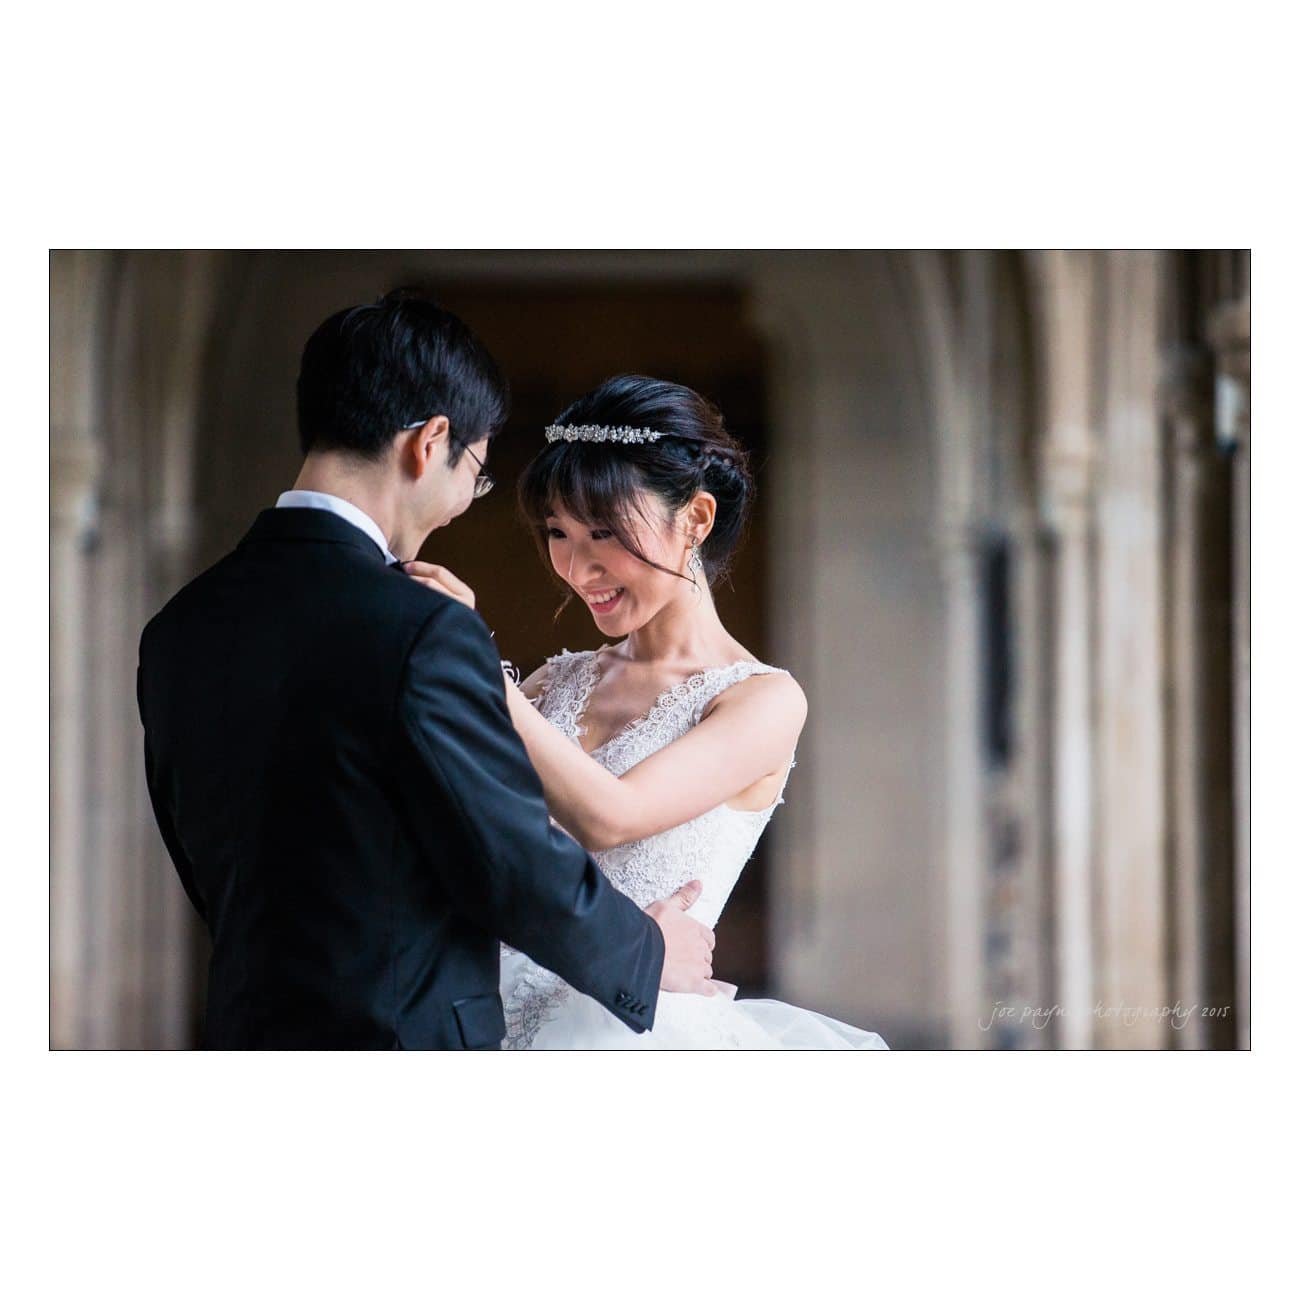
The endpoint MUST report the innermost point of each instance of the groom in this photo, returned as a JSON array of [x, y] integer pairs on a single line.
[[329, 751]]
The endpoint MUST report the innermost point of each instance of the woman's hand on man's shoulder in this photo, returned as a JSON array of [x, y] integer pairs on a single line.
[[438, 577]]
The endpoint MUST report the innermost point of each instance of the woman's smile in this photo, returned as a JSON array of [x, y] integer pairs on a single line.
[[604, 600]]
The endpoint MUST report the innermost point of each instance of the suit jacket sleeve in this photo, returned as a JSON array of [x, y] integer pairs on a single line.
[[521, 878], [157, 797]]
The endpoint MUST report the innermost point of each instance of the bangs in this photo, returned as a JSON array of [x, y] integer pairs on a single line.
[[584, 481]]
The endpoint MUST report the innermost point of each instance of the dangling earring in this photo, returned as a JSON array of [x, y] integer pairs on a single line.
[[695, 565]]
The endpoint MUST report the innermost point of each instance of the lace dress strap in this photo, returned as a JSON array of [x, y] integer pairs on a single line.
[[707, 686], [563, 698]]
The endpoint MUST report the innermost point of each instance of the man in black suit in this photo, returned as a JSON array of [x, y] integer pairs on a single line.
[[329, 751]]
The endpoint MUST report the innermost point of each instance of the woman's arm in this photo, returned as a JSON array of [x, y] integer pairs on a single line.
[[750, 733]]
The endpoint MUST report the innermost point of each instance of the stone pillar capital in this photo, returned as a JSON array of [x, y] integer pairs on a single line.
[[1067, 472]]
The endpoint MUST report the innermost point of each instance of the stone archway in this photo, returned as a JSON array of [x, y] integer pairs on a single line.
[[936, 420]]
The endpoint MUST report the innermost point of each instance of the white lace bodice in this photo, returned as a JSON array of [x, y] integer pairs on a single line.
[[712, 848]]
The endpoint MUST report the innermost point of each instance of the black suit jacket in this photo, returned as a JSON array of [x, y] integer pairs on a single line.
[[332, 765]]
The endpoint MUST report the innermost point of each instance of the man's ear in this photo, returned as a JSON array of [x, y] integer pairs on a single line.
[[426, 447]]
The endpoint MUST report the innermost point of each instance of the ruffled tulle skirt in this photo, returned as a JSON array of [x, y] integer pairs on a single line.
[[545, 1014]]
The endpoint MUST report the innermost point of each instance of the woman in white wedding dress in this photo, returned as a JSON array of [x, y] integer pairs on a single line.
[[665, 754]]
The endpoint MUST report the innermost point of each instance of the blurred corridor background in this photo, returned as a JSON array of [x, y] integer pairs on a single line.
[[1002, 540]]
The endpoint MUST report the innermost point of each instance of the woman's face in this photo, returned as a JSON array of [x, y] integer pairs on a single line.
[[622, 592]]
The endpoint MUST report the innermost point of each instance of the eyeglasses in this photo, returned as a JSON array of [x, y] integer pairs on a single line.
[[484, 483]]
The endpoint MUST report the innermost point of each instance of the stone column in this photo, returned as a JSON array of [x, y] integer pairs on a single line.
[[77, 282], [116, 988], [1066, 470], [1130, 830], [171, 545], [1032, 768], [145, 555], [1188, 414], [1066, 508], [969, 1003], [1230, 333]]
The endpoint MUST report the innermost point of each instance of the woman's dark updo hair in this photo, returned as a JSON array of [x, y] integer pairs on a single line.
[[598, 482]]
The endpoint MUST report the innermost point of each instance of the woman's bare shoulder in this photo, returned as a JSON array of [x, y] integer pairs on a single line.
[[779, 680], [779, 686], [771, 691]]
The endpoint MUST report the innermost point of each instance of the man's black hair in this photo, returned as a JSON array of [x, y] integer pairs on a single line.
[[368, 372]]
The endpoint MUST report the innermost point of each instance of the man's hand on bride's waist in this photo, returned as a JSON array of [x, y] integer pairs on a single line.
[[688, 945]]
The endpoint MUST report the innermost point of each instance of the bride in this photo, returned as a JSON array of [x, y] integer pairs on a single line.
[[666, 751]]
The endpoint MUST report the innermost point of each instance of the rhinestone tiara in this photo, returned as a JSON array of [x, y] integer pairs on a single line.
[[599, 433]]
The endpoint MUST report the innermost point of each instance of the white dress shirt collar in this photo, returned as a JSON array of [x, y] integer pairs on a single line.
[[297, 499]]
